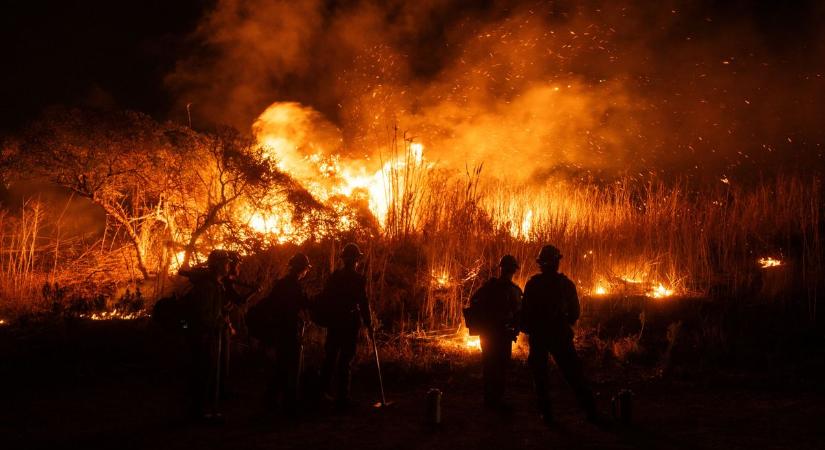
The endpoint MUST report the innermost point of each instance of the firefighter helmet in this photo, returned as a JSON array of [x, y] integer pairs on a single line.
[[217, 257], [508, 262], [351, 251], [299, 261], [548, 253]]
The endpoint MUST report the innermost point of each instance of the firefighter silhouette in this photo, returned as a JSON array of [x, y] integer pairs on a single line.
[[279, 324], [206, 320], [342, 308], [549, 309], [496, 308]]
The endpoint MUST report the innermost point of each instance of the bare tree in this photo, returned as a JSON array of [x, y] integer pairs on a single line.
[[156, 182], [114, 159], [224, 169]]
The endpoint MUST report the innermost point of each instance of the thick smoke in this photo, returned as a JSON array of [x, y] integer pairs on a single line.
[[527, 88]]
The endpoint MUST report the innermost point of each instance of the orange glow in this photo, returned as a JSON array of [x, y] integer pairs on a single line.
[[417, 152], [441, 278], [307, 147], [599, 290], [769, 262], [115, 315], [278, 225], [632, 280], [660, 291], [176, 261], [472, 343]]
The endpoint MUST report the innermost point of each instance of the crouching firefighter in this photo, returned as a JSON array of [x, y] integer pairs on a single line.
[[206, 323], [494, 315], [342, 307], [549, 310]]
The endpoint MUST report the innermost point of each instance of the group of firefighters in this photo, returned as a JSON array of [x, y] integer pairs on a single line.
[[498, 311]]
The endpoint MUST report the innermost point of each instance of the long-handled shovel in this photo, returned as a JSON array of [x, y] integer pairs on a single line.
[[383, 403]]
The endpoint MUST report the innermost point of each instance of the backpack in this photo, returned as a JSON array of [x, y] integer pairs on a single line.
[[472, 320], [475, 315]]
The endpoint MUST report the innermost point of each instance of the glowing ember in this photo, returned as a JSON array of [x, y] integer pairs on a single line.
[[599, 290], [176, 261], [441, 279], [472, 343], [278, 225], [769, 262], [115, 315], [417, 151], [660, 291], [520, 228], [632, 280], [527, 223], [3, 322]]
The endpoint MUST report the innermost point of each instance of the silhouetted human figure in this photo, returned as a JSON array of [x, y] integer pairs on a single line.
[[205, 317], [282, 310], [549, 310], [234, 304], [497, 303], [345, 307]]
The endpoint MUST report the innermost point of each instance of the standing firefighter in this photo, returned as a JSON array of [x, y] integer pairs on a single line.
[[280, 327], [341, 308], [550, 308], [206, 321], [495, 310], [234, 304]]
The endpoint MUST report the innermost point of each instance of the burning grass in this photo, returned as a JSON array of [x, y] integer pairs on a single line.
[[431, 234], [622, 239]]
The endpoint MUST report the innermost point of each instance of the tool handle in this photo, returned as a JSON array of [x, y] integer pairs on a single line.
[[378, 366]]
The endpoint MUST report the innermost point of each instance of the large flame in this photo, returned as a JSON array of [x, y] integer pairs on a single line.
[[308, 147]]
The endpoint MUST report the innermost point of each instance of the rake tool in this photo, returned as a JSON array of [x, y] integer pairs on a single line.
[[383, 403]]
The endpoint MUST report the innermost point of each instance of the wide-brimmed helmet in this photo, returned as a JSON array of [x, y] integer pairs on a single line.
[[299, 261], [548, 254], [508, 262], [351, 251], [217, 257]]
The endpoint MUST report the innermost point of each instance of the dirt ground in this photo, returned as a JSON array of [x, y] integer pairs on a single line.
[[119, 385]]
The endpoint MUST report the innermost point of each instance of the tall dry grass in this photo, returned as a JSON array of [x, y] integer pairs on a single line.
[[22, 266], [444, 233], [40, 264], [626, 238]]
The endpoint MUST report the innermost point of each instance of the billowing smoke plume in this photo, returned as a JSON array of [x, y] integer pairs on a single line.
[[528, 88]]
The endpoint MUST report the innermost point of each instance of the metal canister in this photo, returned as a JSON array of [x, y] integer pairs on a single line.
[[434, 406], [622, 406]]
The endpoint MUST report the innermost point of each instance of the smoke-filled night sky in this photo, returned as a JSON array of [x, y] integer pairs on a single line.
[[627, 86]]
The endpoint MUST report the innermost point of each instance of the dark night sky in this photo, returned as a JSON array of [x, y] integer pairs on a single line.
[[115, 54], [90, 52]]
